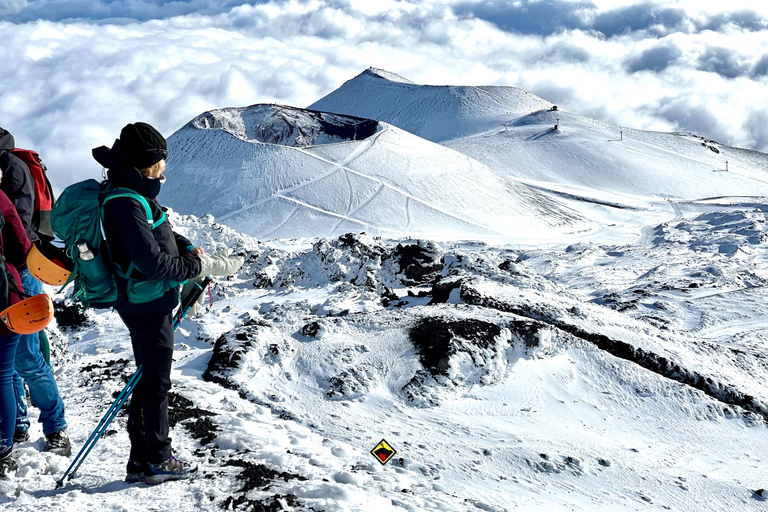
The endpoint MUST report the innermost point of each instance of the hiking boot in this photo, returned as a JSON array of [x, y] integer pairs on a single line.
[[7, 464], [135, 470], [19, 436], [58, 443], [170, 469]]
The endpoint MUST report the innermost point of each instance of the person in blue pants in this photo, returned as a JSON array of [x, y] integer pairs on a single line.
[[14, 246], [8, 343], [31, 366], [18, 186]]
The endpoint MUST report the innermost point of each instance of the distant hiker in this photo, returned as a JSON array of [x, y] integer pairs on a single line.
[[14, 246], [19, 186], [149, 255]]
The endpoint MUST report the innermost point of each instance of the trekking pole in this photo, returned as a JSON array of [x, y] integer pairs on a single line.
[[101, 428]]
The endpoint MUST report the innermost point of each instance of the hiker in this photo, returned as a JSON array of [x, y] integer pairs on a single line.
[[30, 363], [14, 246], [148, 255]]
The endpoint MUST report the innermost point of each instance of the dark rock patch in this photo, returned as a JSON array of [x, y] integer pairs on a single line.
[[355, 243], [228, 350], [615, 301], [69, 316], [437, 339], [623, 350], [420, 263], [527, 331], [311, 329], [268, 505], [197, 421], [259, 477], [114, 370], [441, 290]]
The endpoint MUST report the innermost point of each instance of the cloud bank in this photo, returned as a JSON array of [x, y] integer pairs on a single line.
[[76, 72]]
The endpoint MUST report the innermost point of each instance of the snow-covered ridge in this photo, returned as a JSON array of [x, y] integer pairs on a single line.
[[436, 113], [523, 137], [284, 125], [387, 75], [391, 183]]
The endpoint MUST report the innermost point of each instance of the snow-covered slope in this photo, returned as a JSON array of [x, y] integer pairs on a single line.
[[435, 113], [513, 133], [599, 377], [252, 168], [589, 158]]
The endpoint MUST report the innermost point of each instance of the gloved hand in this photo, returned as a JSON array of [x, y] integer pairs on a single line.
[[220, 264], [188, 288]]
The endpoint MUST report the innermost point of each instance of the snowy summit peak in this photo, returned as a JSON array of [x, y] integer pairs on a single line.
[[386, 75], [434, 112]]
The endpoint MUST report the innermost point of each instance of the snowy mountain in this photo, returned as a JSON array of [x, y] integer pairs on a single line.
[[580, 325], [436, 113], [280, 172], [513, 133]]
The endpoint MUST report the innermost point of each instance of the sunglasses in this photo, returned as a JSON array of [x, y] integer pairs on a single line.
[[163, 152]]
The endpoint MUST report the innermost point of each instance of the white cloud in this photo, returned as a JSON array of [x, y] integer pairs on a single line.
[[69, 86]]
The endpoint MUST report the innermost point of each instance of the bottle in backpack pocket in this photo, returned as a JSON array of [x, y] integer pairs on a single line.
[[99, 281]]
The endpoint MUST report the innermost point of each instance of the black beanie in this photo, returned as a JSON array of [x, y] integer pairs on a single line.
[[142, 145]]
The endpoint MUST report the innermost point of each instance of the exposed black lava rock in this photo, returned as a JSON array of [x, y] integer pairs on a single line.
[[360, 247], [441, 290], [227, 352], [528, 331], [311, 329], [615, 301], [661, 365], [69, 316], [114, 370], [437, 339], [268, 505], [388, 296], [259, 476], [419, 263], [509, 265], [182, 409], [348, 382]]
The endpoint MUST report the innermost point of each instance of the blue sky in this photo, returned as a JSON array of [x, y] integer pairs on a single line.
[[76, 71]]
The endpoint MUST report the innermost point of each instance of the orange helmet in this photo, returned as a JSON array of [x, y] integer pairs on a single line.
[[47, 269], [30, 315]]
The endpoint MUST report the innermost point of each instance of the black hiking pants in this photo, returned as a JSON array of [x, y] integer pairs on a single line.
[[152, 340]]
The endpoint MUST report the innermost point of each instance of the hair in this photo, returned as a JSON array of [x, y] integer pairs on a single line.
[[152, 168]]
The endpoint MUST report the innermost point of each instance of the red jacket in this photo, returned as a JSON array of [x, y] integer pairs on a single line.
[[14, 245]]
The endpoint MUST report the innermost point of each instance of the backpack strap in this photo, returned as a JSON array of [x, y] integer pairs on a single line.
[[126, 192]]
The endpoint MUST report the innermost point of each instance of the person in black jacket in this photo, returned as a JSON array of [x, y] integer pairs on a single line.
[[137, 161], [17, 183], [30, 363]]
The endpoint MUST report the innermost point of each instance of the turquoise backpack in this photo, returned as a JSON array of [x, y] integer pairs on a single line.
[[76, 218]]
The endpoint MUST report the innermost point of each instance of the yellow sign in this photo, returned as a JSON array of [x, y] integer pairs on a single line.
[[383, 452]]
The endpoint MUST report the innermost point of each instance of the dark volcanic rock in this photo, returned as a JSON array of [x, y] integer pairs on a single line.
[[436, 339], [69, 316], [227, 352], [420, 263]]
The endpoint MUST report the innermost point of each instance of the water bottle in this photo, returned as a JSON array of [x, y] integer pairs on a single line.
[[85, 252], [98, 280]]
